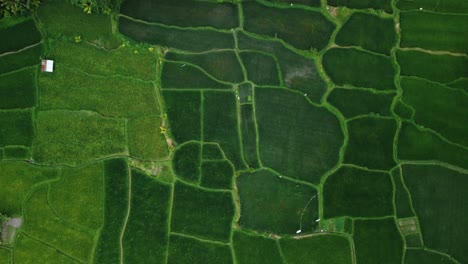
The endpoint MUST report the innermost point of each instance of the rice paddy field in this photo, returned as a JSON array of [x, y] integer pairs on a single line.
[[243, 132]]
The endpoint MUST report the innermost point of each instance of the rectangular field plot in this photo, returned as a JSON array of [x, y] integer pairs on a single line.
[[116, 184], [189, 14], [18, 89], [416, 256], [116, 96], [254, 249], [300, 28], [146, 233], [377, 241], [446, 6], [434, 31], [322, 249], [77, 137], [187, 162], [261, 69], [414, 143], [145, 140], [222, 65], [359, 68], [180, 75], [217, 174], [16, 153], [184, 250], [314, 3], [5, 255], [442, 209], [29, 250], [364, 30], [439, 68], [25, 58], [402, 197], [353, 102], [213, 222], [249, 136], [438, 107], [19, 36], [364, 4], [220, 124], [17, 127], [182, 39], [184, 113], [357, 193]]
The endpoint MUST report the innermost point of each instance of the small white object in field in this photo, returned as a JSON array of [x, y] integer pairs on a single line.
[[298, 231], [420, 8], [183, 65], [305, 94], [321, 230], [317, 220]]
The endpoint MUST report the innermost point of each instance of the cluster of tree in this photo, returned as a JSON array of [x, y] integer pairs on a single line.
[[98, 6], [17, 7]]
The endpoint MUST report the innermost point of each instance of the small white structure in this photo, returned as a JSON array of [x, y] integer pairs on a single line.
[[47, 66]]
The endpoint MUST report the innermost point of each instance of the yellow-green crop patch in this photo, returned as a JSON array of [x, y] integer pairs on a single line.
[[145, 140]]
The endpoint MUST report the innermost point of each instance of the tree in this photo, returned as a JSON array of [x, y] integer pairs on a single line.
[[98, 6], [17, 7]]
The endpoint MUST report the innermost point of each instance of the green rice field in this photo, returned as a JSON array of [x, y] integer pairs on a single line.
[[234, 132]]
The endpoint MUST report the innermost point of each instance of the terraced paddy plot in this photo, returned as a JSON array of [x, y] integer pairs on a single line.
[[438, 107], [212, 151], [30, 250], [222, 65], [212, 223], [322, 249], [112, 96], [97, 61], [18, 179], [274, 204], [370, 142], [28, 57], [184, 113], [17, 127], [349, 66], [415, 256], [377, 241], [187, 161], [246, 92], [434, 31], [353, 102], [185, 13], [42, 223], [254, 249], [290, 141], [217, 174], [300, 28], [145, 140], [116, 184], [403, 110], [448, 6], [181, 75], [357, 193], [313, 3], [413, 240], [220, 125], [76, 137], [385, 5], [18, 89], [415, 143], [146, 232], [184, 250], [176, 38], [363, 30], [261, 68], [19, 36], [438, 199], [439, 68], [402, 197], [249, 136], [16, 153], [461, 83]]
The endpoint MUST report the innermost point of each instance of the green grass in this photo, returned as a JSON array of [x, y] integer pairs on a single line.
[[16, 153], [5, 255], [352, 102], [17, 127], [447, 6], [116, 96], [283, 135], [273, 204], [217, 174], [413, 240], [183, 250], [76, 137], [357, 193], [249, 136], [439, 68], [321, 249], [18, 89], [145, 140], [245, 92], [116, 183], [223, 65], [370, 142], [19, 36], [269, 73], [18, 179], [146, 233], [213, 222], [313, 3], [212, 151], [402, 197], [25, 58], [186, 162], [438, 196], [416, 256], [438, 108], [359, 68], [377, 241], [253, 249], [364, 30], [76, 188], [189, 14], [176, 75], [434, 31], [384, 5], [29, 251], [302, 29]]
